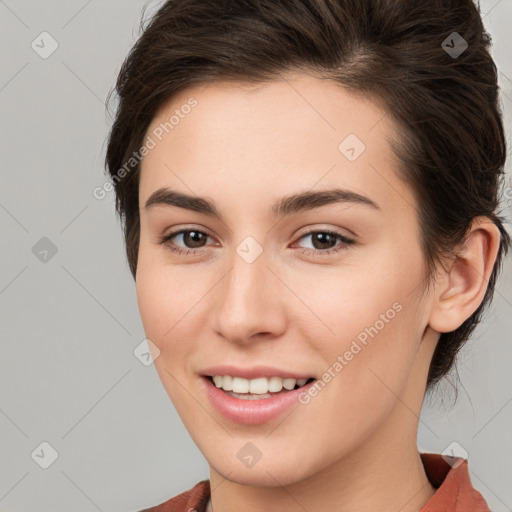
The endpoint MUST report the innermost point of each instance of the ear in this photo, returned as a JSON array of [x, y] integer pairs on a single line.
[[462, 282]]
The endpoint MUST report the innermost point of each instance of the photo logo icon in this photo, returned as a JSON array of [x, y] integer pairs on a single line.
[[249, 249], [351, 147], [249, 455], [454, 45], [455, 454], [44, 250], [44, 455], [44, 45], [146, 352]]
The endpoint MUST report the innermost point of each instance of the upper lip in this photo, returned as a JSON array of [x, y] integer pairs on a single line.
[[253, 372]]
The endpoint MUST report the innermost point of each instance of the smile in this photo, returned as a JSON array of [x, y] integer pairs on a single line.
[[258, 388], [252, 408]]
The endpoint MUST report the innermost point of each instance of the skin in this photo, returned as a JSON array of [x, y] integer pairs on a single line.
[[353, 446]]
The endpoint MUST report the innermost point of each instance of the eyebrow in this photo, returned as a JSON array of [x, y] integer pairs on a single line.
[[284, 206]]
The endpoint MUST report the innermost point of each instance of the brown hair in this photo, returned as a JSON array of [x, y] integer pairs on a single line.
[[451, 139]]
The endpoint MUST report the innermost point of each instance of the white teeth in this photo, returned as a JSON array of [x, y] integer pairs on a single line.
[[227, 382], [289, 383], [240, 385], [258, 386], [275, 384]]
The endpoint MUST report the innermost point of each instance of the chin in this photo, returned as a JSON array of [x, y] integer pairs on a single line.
[[260, 477], [275, 469]]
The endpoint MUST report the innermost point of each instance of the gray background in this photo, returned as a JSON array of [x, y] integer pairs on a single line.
[[70, 323]]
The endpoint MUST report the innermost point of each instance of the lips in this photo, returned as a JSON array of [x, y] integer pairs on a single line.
[[258, 410]]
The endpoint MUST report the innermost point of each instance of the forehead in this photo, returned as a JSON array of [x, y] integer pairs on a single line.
[[298, 105], [296, 132]]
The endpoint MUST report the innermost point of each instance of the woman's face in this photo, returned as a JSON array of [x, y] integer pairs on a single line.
[[262, 288]]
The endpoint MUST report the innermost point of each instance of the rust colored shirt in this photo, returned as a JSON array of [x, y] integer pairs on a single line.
[[454, 493]]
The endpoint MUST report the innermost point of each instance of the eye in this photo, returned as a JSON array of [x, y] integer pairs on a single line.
[[192, 238], [324, 242]]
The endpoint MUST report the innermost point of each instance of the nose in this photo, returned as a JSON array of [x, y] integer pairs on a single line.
[[249, 302]]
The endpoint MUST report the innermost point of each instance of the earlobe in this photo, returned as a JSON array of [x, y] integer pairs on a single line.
[[462, 284]]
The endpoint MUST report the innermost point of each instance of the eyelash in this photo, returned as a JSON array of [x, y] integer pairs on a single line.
[[305, 251]]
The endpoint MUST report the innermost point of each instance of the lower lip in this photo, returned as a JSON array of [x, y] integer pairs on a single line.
[[251, 412]]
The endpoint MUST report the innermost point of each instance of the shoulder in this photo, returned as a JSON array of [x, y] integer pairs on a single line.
[[454, 490], [192, 500]]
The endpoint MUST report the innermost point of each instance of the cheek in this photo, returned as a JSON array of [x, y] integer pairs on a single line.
[[360, 294], [370, 317], [162, 308], [156, 303], [164, 305], [166, 293], [367, 366], [173, 304]]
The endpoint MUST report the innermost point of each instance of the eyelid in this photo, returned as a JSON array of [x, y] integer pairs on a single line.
[[183, 229], [326, 229]]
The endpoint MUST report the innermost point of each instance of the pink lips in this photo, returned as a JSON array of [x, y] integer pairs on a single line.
[[251, 412]]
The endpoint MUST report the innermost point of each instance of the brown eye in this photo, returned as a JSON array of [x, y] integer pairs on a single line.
[[191, 240], [325, 242], [194, 239]]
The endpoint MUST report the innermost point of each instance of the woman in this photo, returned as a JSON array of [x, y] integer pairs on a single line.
[[309, 194]]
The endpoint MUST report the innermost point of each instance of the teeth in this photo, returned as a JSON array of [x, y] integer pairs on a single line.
[[275, 384], [289, 383], [240, 385], [258, 386], [227, 382]]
